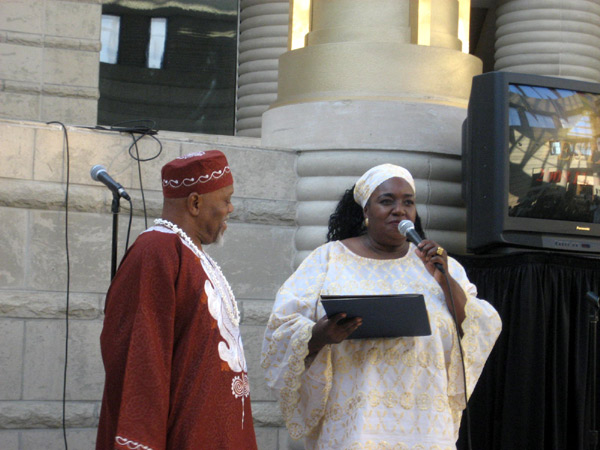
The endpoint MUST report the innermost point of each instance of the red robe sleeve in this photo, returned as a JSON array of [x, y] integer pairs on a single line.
[[137, 347]]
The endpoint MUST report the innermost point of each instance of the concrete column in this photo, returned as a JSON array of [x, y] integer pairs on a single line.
[[263, 37], [361, 93], [549, 37], [444, 24]]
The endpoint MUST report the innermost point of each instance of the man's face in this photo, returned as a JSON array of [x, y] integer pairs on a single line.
[[215, 210]]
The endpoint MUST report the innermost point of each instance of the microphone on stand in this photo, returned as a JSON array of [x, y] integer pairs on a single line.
[[99, 173], [407, 228]]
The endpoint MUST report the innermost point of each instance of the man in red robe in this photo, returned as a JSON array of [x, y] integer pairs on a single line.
[[176, 375]]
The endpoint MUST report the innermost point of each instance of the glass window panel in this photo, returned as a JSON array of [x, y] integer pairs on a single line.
[[109, 38], [156, 47]]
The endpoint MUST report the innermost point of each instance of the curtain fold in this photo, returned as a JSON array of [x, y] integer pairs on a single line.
[[532, 392]]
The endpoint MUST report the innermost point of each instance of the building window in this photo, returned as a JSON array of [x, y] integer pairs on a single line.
[[109, 38], [175, 64], [156, 47]]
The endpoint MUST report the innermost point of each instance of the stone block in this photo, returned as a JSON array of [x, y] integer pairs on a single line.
[[148, 148], [266, 438], [70, 67], [256, 259], [85, 377], [21, 62], [13, 244], [44, 360], [22, 15], [50, 154], [87, 148], [265, 174], [10, 439], [90, 237], [252, 337], [266, 414], [75, 20], [17, 151], [69, 110], [255, 312], [53, 439], [270, 212], [16, 105], [11, 358], [153, 202]]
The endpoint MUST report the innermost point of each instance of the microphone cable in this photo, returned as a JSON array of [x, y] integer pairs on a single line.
[[64, 393], [142, 127], [462, 360], [128, 229], [146, 129]]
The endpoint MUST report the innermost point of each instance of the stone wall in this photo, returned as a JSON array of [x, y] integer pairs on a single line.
[[256, 258], [49, 51]]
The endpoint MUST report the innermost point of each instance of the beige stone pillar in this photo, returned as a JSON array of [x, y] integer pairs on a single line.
[[549, 37], [362, 92], [263, 38]]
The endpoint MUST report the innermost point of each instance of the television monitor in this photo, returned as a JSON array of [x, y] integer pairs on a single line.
[[531, 164]]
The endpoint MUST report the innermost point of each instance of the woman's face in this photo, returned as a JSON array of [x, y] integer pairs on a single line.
[[392, 202]]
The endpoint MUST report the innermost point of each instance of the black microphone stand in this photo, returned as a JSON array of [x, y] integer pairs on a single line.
[[115, 233], [593, 432]]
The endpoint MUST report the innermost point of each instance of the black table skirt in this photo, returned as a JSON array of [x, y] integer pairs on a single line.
[[534, 391]]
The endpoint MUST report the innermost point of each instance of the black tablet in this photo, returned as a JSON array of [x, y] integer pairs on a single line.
[[383, 315]]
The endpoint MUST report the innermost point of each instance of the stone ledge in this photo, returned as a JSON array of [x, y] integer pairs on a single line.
[[48, 415], [27, 415], [23, 87], [89, 306], [14, 37], [50, 305], [266, 212], [46, 195], [71, 91], [37, 40]]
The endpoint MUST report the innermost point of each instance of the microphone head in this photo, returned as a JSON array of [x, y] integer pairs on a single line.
[[96, 170], [405, 226]]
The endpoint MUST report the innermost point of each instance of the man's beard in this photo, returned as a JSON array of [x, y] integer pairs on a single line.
[[220, 239]]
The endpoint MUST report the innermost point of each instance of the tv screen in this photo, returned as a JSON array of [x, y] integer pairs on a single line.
[[531, 163], [554, 161]]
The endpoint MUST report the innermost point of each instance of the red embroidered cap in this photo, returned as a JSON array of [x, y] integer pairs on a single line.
[[200, 172]]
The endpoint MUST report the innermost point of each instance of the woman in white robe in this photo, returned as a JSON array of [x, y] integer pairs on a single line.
[[393, 393]]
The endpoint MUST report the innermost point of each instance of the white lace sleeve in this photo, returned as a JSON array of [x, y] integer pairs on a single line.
[[302, 391]]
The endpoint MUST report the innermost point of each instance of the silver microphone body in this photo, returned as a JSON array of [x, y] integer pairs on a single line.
[[407, 228], [99, 173]]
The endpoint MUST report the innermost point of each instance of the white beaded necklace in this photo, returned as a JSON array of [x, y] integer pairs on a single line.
[[214, 272]]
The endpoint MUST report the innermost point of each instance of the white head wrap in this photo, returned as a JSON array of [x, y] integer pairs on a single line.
[[373, 177]]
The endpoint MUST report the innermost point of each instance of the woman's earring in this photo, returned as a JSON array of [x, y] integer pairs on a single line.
[[366, 222]]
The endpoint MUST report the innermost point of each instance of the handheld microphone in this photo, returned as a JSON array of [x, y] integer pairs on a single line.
[[407, 228], [99, 173]]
